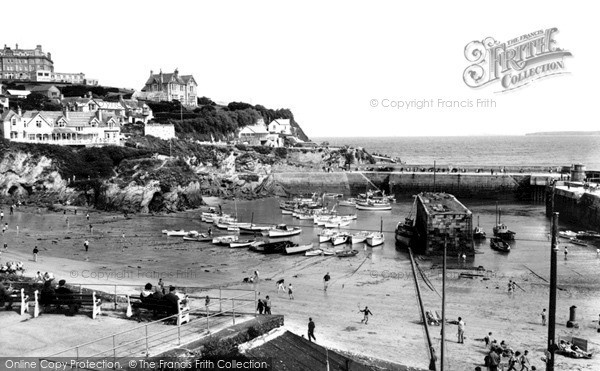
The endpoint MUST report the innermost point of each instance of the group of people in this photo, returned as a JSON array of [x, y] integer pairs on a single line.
[[155, 298], [12, 267], [280, 284], [59, 295], [264, 305], [496, 351]]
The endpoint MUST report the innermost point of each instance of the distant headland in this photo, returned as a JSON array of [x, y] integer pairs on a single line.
[[565, 133]]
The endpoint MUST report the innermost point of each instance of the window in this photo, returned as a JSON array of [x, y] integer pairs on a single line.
[[38, 123], [31, 136], [14, 121], [79, 128]]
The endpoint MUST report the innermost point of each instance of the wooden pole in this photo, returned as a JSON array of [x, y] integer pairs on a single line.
[[552, 304], [434, 175], [442, 347]]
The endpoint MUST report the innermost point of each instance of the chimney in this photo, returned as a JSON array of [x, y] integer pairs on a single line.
[[151, 73], [99, 114], [66, 112], [19, 110], [176, 73], [16, 46], [89, 95], [38, 47], [161, 77]]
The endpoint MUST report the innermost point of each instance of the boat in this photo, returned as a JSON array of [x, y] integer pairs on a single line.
[[297, 249], [339, 238], [377, 195], [500, 229], [375, 239], [257, 246], [349, 202], [359, 237], [373, 205], [478, 232], [406, 233], [319, 252], [588, 235], [241, 243], [198, 237], [567, 234], [338, 223], [224, 240], [253, 228], [177, 233], [326, 234], [281, 230], [276, 247], [346, 253], [498, 244], [576, 241]]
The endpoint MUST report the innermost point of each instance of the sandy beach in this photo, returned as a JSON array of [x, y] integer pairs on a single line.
[[394, 332]]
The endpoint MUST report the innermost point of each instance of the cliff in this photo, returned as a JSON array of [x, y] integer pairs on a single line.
[[145, 179]]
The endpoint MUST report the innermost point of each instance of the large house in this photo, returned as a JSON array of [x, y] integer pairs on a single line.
[[22, 64], [254, 135], [61, 128], [170, 86], [125, 110]]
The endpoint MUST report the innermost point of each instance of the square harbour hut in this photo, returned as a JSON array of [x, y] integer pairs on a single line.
[[440, 218]]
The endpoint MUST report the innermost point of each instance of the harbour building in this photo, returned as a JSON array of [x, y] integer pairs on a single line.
[[441, 218]]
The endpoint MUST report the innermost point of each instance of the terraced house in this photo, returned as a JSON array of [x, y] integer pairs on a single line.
[[61, 128], [170, 86]]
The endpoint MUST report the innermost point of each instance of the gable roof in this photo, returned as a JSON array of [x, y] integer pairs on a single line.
[[43, 88], [75, 118], [282, 122], [108, 105], [18, 92], [166, 78], [188, 78]]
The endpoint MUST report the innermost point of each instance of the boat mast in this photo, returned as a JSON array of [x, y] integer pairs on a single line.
[[496, 213]]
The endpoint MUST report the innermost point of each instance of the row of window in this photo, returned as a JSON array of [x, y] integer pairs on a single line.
[[61, 124], [25, 60]]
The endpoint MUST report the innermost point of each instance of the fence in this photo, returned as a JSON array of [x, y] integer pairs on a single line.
[[208, 313]]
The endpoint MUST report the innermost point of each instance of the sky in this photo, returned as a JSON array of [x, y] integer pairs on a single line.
[[339, 66]]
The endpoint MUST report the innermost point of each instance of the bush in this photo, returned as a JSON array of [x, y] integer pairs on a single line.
[[281, 152]]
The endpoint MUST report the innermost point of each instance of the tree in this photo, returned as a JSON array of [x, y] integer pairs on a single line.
[[204, 101]]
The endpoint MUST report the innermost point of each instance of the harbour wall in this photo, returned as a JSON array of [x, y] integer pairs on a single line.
[[519, 186], [575, 204]]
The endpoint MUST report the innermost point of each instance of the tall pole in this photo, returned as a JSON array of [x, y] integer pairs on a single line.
[[442, 347], [434, 169], [552, 304]]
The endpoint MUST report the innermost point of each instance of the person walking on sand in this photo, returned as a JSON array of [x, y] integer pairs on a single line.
[[290, 292], [86, 245], [2, 215], [35, 252], [91, 229], [267, 305], [255, 278], [280, 285], [461, 331], [87, 216], [311, 330], [566, 252], [326, 279], [488, 340], [5, 246], [513, 360], [525, 361], [366, 313], [260, 306], [544, 317]]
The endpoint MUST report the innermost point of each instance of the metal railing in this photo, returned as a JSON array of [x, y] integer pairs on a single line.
[[152, 337]]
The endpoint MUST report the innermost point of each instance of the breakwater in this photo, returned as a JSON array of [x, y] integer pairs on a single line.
[[468, 184], [575, 203]]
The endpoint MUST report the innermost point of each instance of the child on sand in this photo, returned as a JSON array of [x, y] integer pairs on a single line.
[[290, 292]]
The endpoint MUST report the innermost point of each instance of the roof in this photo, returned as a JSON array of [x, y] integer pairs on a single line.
[[43, 88], [292, 352], [74, 119], [169, 77], [441, 203], [75, 100], [108, 105], [18, 92], [282, 122], [254, 129], [187, 78]]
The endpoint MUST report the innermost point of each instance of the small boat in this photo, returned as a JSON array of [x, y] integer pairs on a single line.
[[567, 234], [198, 237], [498, 244], [281, 230], [339, 238], [241, 243], [337, 224], [375, 239], [500, 229], [588, 235], [576, 241], [276, 247], [349, 202], [333, 195], [224, 240], [359, 237], [405, 232], [297, 249], [177, 233], [478, 232], [253, 228], [374, 206], [319, 252], [257, 246], [326, 234], [346, 253]]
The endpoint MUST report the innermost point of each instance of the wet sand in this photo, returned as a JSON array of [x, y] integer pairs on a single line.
[[380, 278]]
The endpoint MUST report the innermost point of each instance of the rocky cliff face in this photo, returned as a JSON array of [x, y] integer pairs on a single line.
[[160, 183]]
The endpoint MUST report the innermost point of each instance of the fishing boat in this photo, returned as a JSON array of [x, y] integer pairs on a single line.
[[567, 234], [224, 240], [373, 205], [576, 241], [337, 223], [257, 246], [498, 244], [500, 229], [281, 230], [276, 247], [326, 234], [339, 238], [406, 233], [319, 252], [346, 253], [298, 249], [375, 239], [197, 237], [253, 228], [241, 243], [478, 232], [359, 237]]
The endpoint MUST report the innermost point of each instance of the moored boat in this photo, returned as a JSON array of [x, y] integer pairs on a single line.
[[297, 249], [588, 235], [375, 239], [359, 237], [241, 243], [224, 240], [576, 241], [373, 205], [281, 230], [567, 234], [349, 202], [326, 234], [177, 233], [346, 253], [339, 238], [500, 229], [498, 244], [276, 247]]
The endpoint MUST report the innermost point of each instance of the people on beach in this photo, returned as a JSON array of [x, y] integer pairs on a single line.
[[290, 292], [146, 295], [267, 305], [280, 285], [161, 286], [5, 246], [209, 231], [1, 215], [311, 330], [366, 313], [513, 286], [492, 360], [260, 306], [544, 317], [207, 302], [510, 287], [488, 339], [255, 277], [87, 217], [86, 245], [39, 277], [35, 253], [91, 229], [525, 361], [513, 360], [12, 209], [326, 279], [461, 331]]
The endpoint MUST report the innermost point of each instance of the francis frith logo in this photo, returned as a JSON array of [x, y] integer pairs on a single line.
[[514, 63]]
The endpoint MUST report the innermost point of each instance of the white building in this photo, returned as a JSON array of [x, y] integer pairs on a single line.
[[280, 126], [162, 131], [61, 128], [255, 135]]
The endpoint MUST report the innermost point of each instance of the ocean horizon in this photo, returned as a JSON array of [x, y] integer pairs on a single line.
[[492, 150]]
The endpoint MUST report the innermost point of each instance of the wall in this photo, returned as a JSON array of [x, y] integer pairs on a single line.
[[575, 207]]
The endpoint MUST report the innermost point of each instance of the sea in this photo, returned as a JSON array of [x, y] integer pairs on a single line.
[[524, 150]]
